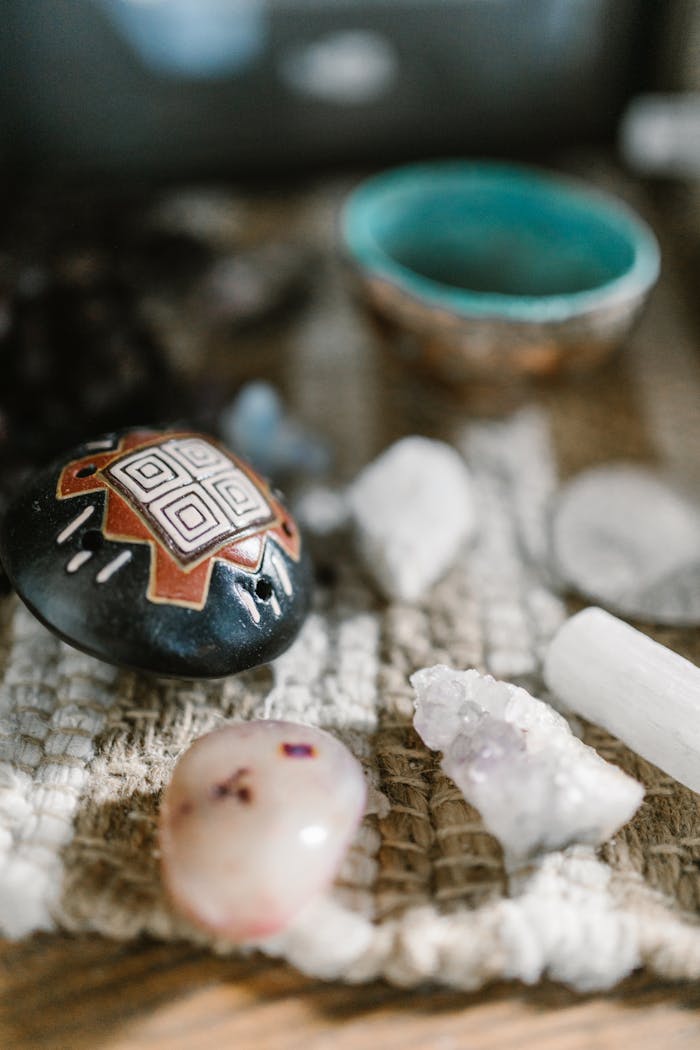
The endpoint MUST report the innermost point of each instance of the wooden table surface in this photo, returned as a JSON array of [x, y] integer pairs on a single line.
[[86, 993]]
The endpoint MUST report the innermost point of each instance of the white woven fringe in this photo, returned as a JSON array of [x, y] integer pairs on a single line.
[[53, 702]]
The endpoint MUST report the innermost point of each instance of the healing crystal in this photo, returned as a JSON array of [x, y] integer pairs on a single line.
[[622, 537], [412, 509], [255, 823], [644, 693], [536, 785]]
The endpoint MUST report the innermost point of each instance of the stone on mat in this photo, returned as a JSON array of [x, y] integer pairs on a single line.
[[644, 693], [412, 509], [536, 785], [625, 539], [159, 550], [255, 823]]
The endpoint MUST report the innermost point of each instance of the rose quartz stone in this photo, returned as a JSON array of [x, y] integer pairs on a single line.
[[255, 823]]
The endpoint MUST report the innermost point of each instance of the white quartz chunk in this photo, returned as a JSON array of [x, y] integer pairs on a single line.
[[536, 785], [412, 509], [644, 693]]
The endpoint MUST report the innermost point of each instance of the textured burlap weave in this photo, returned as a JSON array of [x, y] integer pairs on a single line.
[[86, 749]]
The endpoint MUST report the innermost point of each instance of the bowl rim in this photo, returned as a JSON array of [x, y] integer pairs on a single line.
[[361, 244]]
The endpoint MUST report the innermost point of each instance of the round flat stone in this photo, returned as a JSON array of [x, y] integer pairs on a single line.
[[624, 539], [159, 550], [255, 823]]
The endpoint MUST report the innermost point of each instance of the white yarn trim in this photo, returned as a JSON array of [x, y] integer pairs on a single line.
[[564, 921], [53, 702]]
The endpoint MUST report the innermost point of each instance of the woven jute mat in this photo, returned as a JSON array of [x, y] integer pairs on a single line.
[[86, 749]]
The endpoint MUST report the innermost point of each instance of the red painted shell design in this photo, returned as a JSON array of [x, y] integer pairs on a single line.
[[190, 499]]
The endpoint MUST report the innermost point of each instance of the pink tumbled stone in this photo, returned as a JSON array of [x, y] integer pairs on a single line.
[[255, 823]]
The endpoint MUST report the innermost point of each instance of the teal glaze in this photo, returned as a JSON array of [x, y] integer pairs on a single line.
[[502, 241]]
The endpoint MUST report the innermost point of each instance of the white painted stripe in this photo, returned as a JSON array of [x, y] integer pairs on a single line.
[[249, 603], [100, 444], [77, 560], [74, 524], [113, 566], [281, 570], [275, 605]]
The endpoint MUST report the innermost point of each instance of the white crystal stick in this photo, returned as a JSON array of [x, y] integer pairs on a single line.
[[536, 785], [644, 693]]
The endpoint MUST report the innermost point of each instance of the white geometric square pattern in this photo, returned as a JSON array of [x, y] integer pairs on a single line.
[[238, 497], [197, 456], [190, 517], [193, 496], [148, 474]]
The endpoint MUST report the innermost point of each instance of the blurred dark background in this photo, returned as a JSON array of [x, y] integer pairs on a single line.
[[182, 86], [164, 208]]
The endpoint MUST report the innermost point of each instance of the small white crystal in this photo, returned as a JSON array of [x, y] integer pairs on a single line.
[[412, 509], [644, 693], [622, 537], [536, 785], [321, 510]]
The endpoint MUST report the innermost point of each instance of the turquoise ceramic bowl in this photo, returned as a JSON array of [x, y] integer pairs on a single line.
[[479, 268]]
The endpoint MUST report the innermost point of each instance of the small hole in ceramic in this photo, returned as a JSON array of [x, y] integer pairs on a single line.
[[85, 472], [287, 529], [263, 589], [326, 575], [91, 540]]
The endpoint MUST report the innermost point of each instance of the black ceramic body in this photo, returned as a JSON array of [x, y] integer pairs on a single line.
[[104, 573]]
